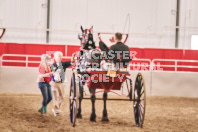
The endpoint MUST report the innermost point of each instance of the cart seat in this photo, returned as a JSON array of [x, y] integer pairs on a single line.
[[100, 80]]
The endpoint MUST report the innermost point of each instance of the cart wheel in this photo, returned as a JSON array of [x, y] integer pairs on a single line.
[[139, 102], [73, 100]]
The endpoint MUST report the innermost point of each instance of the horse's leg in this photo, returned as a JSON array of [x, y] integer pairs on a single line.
[[93, 98], [105, 117], [79, 115], [81, 81]]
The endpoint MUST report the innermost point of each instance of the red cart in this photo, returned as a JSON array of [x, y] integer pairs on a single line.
[[108, 81]]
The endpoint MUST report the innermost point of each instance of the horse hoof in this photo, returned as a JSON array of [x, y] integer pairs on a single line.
[[93, 118], [105, 119], [79, 116]]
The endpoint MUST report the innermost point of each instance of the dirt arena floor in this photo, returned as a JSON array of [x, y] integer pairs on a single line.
[[19, 113]]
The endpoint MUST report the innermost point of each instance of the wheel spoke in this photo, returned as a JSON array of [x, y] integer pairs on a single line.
[[74, 107], [142, 105], [135, 92], [142, 83], [142, 93], [136, 115], [140, 115]]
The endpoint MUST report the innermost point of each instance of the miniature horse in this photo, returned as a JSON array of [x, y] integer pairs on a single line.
[[87, 43]]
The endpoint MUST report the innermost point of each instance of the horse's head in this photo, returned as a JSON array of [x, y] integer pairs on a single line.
[[86, 37]]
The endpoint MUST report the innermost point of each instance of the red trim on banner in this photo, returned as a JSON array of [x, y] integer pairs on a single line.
[[147, 53]]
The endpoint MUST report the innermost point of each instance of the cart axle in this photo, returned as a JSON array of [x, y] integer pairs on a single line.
[[115, 99]]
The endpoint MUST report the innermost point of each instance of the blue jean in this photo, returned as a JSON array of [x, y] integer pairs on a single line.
[[46, 92]]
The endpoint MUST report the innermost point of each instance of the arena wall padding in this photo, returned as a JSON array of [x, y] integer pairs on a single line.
[[24, 80], [159, 83], [181, 84]]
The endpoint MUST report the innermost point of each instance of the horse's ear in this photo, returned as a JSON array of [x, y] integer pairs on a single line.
[[91, 29], [81, 29]]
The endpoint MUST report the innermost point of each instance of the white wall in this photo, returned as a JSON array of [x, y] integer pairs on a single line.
[[188, 18], [23, 14], [148, 19]]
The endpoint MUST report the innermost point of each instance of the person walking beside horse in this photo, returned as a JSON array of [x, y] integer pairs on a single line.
[[44, 79], [58, 80]]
